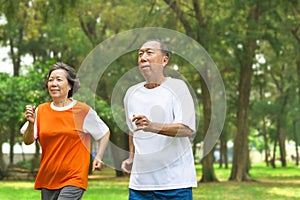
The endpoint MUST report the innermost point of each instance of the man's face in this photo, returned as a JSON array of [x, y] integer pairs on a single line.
[[151, 60]]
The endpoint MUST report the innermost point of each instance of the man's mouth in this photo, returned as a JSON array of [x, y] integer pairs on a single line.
[[144, 66]]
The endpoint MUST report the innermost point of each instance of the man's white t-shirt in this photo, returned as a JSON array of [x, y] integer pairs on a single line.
[[161, 162]]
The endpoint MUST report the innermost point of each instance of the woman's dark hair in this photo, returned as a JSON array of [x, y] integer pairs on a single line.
[[71, 77]]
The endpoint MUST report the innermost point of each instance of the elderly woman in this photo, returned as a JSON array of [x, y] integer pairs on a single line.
[[63, 128]]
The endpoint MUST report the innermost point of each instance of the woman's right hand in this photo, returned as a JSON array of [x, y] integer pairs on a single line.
[[30, 113]]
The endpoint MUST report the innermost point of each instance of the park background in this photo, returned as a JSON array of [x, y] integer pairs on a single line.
[[255, 45]]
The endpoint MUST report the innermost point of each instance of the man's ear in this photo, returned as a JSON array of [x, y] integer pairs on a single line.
[[165, 60]]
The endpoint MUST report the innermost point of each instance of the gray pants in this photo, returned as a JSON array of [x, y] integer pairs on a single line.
[[65, 193]]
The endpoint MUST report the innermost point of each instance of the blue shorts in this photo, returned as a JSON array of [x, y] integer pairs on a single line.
[[176, 194]]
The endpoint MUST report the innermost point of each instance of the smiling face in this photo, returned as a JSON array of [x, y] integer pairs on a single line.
[[152, 61], [58, 85]]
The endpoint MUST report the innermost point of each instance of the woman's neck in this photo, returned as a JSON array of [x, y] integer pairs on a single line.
[[62, 102]]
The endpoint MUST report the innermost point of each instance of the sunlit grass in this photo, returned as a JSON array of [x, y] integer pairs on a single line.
[[269, 184], [12, 190]]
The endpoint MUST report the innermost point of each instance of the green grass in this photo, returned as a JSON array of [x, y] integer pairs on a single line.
[[269, 184]]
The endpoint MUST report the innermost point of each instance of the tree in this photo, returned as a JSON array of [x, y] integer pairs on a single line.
[[18, 92], [295, 29], [233, 32], [245, 54], [3, 127], [199, 21], [281, 54], [260, 109], [13, 30]]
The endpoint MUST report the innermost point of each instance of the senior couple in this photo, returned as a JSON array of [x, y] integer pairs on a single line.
[[160, 117]]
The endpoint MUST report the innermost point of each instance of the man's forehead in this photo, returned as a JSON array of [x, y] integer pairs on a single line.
[[150, 45]]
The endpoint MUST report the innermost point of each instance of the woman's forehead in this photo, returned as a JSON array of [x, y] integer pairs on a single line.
[[58, 72]]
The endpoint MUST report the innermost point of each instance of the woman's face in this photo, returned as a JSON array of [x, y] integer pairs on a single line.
[[58, 85]]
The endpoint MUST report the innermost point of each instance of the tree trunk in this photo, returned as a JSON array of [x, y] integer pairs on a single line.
[[240, 152], [208, 172], [11, 143], [298, 118], [266, 147], [296, 143], [194, 146], [297, 154], [240, 163], [223, 151], [282, 137], [2, 163], [264, 128], [16, 54], [36, 158], [273, 160]]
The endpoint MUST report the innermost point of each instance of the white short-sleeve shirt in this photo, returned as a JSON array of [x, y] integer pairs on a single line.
[[161, 162]]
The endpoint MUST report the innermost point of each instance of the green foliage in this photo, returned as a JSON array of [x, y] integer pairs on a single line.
[[68, 30], [26, 164], [16, 92], [12, 104]]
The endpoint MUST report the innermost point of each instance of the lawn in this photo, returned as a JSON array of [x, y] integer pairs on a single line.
[[269, 184]]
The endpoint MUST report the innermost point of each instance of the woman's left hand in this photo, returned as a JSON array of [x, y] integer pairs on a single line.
[[98, 164]]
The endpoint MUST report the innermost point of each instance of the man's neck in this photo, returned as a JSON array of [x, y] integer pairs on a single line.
[[150, 84]]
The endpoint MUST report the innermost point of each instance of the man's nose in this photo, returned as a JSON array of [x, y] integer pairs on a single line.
[[143, 57]]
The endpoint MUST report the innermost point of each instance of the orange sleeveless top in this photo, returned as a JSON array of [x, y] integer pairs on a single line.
[[65, 147]]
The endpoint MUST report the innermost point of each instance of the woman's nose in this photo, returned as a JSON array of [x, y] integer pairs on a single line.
[[54, 82]]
